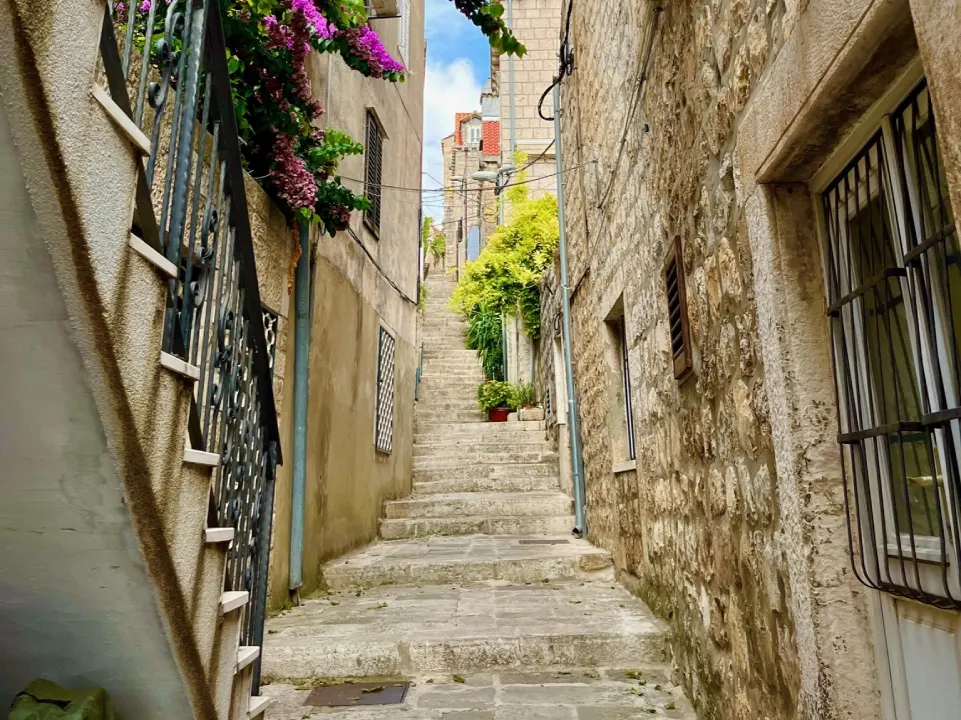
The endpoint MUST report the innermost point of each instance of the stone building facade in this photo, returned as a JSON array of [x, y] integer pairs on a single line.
[[721, 128], [470, 207]]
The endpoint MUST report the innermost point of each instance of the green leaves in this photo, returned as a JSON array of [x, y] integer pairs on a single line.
[[505, 278]]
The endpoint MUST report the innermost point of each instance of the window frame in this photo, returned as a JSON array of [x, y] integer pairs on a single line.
[[919, 566], [373, 174], [386, 394]]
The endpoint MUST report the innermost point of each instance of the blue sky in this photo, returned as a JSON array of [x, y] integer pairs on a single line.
[[458, 65]]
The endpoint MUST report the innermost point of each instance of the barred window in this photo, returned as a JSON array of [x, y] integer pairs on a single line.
[[894, 284], [384, 429], [374, 171]]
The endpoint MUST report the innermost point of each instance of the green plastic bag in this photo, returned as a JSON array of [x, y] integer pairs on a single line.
[[45, 700]]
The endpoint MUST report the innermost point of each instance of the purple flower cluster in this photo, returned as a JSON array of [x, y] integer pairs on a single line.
[[365, 44], [322, 27], [290, 175]]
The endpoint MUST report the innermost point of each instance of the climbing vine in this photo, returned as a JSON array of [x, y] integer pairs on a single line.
[[268, 43]]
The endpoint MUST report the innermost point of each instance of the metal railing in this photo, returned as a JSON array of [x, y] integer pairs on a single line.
[[169, 75]]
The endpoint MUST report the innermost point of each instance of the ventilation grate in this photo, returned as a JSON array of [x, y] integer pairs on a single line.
[[680, 328]]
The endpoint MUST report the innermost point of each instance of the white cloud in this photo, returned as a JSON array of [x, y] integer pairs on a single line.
[[448, 89]]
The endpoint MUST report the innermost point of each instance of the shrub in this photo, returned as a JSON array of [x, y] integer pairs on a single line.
[[485, 334], [495, 394], [505, 278], [523, 395]]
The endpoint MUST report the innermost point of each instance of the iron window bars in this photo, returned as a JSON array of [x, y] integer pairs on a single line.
[[374, 171], [173, 58], [384, 428], [894, 286], [626, 380]]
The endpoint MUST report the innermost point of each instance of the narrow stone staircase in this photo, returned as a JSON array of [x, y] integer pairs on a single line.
[[477, 592]]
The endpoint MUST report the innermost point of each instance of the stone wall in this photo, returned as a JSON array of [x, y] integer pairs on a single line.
[[699, 529]]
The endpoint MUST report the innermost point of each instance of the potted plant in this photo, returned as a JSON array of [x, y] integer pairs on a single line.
[[496, 399], [523, 396]]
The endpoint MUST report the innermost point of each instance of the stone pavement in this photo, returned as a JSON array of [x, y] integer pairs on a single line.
[[477, 593]]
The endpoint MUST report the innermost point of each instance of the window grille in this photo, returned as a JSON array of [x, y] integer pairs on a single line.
[[676, 287], [894, 286], [626, 379], [384, 431], [374, 171]]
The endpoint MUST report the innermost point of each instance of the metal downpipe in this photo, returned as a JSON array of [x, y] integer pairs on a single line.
[[299, 471], [573, 426]]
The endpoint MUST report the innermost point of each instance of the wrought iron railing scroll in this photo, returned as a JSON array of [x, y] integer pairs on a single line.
[[166, 68]]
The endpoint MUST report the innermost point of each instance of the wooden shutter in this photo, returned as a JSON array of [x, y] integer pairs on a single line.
[[680, 328], [374, 171]]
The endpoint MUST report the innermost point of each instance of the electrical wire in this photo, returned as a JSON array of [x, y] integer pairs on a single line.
[[475, 187], [565, 63], [639, 84], [405, 296]]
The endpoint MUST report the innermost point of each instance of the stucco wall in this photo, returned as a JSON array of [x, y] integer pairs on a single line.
[[78, 607], [352, 297], [732, 526], [79, 172]]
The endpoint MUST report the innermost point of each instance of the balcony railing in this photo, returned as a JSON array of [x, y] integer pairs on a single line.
[[166, 69]]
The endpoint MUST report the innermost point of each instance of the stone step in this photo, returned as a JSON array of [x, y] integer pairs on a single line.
[[493, 471], [481, 525], [481, 627], [483, 483], [486, 458], [459, 441], [587, 693], [426, 413], [479, 504], [472, 429], [458, 447], [440, 406], [447, 560]]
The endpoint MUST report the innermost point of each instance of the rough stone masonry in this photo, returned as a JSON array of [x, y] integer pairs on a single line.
[[696, 529]]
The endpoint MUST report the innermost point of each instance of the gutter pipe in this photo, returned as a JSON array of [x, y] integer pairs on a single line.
[[577, 461], [299, 471]]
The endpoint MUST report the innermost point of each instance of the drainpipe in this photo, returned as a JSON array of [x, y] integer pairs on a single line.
[[301, 344], [510, 75], [577, 463]]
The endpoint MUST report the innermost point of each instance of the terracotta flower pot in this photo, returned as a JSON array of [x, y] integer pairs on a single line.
[[498, 414]]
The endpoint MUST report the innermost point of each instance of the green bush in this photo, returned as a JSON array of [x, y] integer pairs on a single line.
[[495, 394], [422, 300], [505, 278], [485, 334], [523, 395]]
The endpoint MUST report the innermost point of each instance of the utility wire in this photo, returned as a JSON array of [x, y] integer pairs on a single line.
[[476, 187], [405, 296], [639, 84], [565, 64]]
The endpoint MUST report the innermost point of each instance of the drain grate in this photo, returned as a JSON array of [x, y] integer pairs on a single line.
[[543, 542], [355, 694]]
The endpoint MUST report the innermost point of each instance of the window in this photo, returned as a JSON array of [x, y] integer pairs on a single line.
[[621, 414], [680, 329], [894, 285], [374, 171], [403, 7], [384, 427], [474, 135]]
